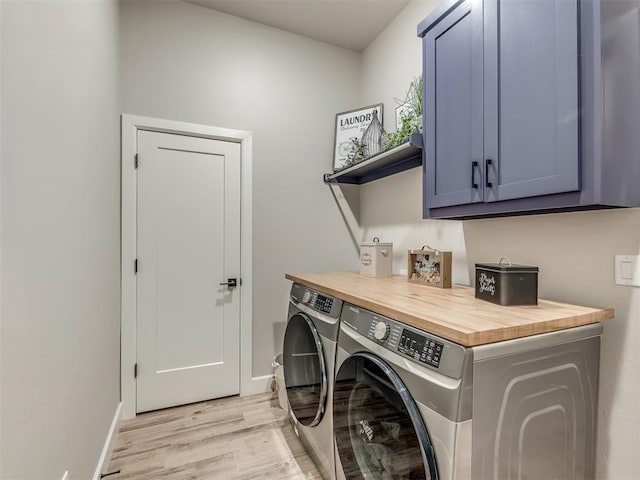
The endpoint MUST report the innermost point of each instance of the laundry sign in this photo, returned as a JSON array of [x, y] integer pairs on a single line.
[[351, 125]]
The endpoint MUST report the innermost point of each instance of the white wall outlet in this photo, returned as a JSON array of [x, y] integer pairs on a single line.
[[627, 270]]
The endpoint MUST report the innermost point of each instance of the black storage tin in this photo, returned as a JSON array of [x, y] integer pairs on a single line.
[[507, 284]]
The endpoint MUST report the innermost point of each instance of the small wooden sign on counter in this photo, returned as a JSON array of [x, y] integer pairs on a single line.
[[429, 267]]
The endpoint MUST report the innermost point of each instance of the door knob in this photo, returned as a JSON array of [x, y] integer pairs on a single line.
[[231, 282]]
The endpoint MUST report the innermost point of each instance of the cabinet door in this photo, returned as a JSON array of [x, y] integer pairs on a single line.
[[452, 62], [531, 98]]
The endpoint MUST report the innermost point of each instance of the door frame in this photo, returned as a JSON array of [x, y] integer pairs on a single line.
[[128, 349]]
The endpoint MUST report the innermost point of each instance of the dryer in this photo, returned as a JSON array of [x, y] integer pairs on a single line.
[[411, 405], [308, 361]]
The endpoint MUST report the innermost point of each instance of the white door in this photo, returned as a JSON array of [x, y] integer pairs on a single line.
[[188, 221]]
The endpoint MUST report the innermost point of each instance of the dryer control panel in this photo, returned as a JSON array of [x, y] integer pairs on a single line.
[[317, 301], [321, 303], [420, 346]]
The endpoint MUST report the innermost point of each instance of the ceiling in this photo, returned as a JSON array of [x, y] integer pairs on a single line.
[[351, 24]]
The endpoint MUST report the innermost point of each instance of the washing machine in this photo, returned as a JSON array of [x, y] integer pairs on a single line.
[[309, 352], [410, 405]]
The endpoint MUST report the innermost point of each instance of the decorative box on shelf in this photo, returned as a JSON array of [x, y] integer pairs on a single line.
[[429, 267]]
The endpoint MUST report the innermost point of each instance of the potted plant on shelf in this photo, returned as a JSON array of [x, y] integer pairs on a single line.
[[410, 112]]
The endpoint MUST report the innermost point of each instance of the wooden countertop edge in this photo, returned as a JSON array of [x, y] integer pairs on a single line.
[[467, 339]]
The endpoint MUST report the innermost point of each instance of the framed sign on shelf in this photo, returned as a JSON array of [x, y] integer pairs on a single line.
[[350, 125], [403, 110]]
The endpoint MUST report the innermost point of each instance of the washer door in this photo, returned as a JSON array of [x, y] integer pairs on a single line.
[[378, 429], [305, 370]]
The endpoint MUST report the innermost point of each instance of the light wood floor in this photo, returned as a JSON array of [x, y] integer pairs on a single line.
[[230, 438]]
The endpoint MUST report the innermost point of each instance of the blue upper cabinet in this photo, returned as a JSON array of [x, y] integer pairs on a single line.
[[530, 98], [453, 108], [514, 107]]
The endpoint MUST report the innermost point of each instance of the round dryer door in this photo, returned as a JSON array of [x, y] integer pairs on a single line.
[[305, 370], [378, 428]]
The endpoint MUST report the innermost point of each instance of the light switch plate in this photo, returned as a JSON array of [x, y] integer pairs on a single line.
[[627, 270]]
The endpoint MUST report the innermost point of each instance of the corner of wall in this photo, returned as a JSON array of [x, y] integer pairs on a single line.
[[109, 443]]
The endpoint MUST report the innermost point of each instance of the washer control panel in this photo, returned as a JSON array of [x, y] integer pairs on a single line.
[[317, 301], [420, 346]]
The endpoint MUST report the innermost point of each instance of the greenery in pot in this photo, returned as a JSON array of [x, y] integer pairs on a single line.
[[411, 117]]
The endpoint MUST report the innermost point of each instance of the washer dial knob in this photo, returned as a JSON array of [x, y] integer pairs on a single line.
[[306, 296], [381, 331]]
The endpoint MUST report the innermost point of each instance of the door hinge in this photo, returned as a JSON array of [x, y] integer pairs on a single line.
[[136, 160], [135, 266], [135, 371]]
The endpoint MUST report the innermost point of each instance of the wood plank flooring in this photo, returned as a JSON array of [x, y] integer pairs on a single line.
[[235, 438]]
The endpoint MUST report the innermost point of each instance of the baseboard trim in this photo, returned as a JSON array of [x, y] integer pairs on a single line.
[[256, 385], [107, 449]]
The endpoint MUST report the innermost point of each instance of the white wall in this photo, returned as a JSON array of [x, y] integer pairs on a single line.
[[184, 62], [573, 250], [60, 236], [1, 176]]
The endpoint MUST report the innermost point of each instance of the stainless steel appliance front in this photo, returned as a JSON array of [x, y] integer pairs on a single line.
[[524, 408], [309, 350]]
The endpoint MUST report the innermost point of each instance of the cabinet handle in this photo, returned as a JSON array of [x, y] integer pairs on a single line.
[[487, 163], [474, 164]]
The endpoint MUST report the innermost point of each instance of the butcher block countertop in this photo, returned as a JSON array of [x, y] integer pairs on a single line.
[[452, 313]]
